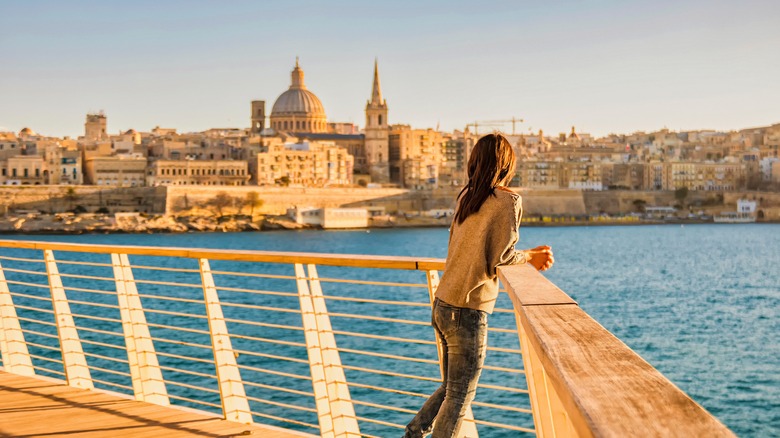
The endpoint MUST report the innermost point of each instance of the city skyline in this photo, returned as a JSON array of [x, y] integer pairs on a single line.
[[608, 67]]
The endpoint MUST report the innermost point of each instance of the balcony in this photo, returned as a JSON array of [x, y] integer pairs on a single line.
[[326, 344]]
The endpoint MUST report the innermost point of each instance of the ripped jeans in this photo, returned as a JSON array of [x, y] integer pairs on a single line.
[[463, 335]]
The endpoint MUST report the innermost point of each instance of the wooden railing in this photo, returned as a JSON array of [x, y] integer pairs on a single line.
[[585, 382], [253, 335], [262, 336]]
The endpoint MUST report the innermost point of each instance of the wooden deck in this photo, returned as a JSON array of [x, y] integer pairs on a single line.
[[35, 407]]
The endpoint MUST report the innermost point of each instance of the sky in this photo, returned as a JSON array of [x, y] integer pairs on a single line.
[[604, 66]]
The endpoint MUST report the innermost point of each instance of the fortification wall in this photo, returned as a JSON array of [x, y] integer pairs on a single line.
[[552, 202], [169, 200], [276, 200], [56, 199]]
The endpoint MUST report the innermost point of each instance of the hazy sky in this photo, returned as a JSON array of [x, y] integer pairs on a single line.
[[604, 66]]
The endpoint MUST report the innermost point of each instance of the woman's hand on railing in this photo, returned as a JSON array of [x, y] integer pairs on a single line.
[[540, 257]]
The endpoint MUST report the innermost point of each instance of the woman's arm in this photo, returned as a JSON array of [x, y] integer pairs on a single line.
[[540, 257], [506, 234]]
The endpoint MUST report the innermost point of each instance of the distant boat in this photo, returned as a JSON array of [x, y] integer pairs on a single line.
[[733, 217]]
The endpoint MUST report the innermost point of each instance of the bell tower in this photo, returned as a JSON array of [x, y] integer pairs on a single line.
[[377, 133], [258, 116]]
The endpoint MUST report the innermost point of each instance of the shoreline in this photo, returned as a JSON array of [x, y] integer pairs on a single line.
[[281, 228]]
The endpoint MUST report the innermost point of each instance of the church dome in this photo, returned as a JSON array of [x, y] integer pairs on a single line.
[[26, 132], [298, 109], [296, 101]]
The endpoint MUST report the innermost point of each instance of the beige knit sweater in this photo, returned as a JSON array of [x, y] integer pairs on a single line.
[[484, 241]]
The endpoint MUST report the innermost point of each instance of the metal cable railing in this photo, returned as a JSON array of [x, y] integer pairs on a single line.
[[261, 337]]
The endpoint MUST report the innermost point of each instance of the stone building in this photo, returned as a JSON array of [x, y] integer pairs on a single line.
[[95, 127], [298, 115], [308, 163], [24, 170], [454, 167], [377, 133], [257, 116], [415, 156], [63, 165], [9, 146], [198, 172], [581, 175], [626, 176], [722, 176], [538, 174], [298, 109], [115, 171]]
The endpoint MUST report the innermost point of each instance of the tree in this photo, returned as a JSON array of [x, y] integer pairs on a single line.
[[253, 201], [639, 205], [220, 202], [71, 196], [283, 181]]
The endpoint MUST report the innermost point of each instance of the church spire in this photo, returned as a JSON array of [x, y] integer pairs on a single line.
[[376, 92]]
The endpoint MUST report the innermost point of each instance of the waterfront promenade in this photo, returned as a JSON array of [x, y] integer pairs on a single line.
[[576, 378]]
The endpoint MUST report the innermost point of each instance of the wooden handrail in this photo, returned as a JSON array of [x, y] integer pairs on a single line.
[[586, 382], [350, 260]]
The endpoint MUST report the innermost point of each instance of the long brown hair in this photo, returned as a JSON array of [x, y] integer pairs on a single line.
[[492, 164]]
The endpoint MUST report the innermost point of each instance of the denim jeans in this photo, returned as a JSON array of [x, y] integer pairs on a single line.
[[463, 335]]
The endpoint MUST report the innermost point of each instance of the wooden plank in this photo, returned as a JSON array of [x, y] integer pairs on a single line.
[[605, 387], [430, 264], [351, 260], [537, 390], [528, 287], [36, 406]]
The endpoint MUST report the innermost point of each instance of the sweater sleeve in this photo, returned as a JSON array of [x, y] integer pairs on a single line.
[[506, 237]]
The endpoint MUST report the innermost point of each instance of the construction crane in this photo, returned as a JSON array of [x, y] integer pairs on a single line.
[[477, 124]]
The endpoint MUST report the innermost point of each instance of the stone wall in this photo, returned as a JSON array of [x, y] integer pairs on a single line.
[[541, 202], [56, 199], [276, 200], [553, 202]]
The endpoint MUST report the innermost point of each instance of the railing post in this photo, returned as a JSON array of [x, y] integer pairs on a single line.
[[13, 348], [335, 410], [550, 417], [235, 405], [73, 359], [148, 382], [469, 427], [344, 420], [537, 386]]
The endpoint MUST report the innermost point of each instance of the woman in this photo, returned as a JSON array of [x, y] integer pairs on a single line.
[[482, 237]]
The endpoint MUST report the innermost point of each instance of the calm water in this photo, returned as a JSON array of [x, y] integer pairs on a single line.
[[700, 303]]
